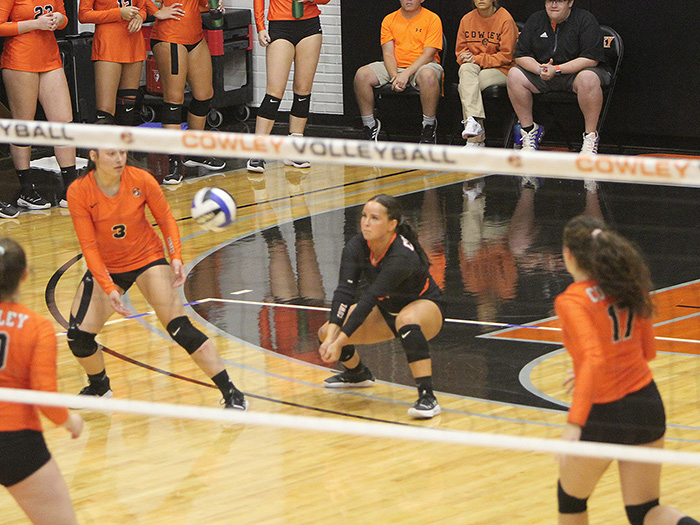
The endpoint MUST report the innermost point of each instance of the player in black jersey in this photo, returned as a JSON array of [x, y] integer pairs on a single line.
[[384, 291]]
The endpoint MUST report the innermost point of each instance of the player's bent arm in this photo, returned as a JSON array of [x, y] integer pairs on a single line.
[[389, 58], [43, 368]]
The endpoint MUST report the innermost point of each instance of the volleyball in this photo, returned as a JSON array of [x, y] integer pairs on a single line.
[[213, 209]]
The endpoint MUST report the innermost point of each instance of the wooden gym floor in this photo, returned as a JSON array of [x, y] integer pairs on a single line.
[[260, 289]]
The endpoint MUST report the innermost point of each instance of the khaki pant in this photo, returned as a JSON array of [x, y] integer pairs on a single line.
[[472, 80]]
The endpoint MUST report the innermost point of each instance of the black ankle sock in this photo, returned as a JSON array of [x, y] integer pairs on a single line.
[[25, 180], [529, 128], [68, 175], [425, 384], [223, 382], [687, 520], [98, 379]]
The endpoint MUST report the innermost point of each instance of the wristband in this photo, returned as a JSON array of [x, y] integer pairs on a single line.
[[558, 70]]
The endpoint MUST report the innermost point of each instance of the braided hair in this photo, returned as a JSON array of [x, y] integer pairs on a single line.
[[614, 262]]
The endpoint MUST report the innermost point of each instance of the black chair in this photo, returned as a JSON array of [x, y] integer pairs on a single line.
[[385, 91], [553, 103]]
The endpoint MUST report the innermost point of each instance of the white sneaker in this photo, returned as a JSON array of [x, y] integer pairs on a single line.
[[471, 128], [590, 143], [531, 140], [475, 145], [590, 185]]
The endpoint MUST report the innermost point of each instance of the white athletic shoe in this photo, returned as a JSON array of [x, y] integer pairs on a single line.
[[471, 128]]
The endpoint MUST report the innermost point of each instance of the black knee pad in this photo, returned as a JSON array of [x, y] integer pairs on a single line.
[[346, 353], [300, 106], [199, 108], [82, 344], [636, 513], [687, 520], [172, 113], [414, 343], [104, 117], [127, 102], [269, 107], [569, 504], [185, 334]]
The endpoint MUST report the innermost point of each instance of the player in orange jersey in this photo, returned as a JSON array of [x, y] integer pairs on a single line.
[[288, 40], [411, 39], [32, 71], [182, 56], [108, 206], [118, 52], [28, 361], [607, 328]]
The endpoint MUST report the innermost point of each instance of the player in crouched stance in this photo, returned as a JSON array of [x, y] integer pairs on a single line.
[[108, 206], [385, 291]]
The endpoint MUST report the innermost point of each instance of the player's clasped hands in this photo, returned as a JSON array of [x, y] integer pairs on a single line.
[[548, 70], [47, 22], [129, 12], [398, 83], [331, 347]]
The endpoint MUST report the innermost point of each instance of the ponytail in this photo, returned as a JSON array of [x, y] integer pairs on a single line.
[[614, 262], [13, 263]]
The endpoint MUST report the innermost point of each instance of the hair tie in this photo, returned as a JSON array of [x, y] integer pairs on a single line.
[[596, 232]]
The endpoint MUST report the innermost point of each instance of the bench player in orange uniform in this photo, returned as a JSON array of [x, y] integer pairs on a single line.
[[121, 248], [288, 40], [118, 52], [182, 55], [32, 70], [28, 361], [607, 328]]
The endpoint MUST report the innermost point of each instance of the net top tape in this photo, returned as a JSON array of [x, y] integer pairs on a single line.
[[613, 168]]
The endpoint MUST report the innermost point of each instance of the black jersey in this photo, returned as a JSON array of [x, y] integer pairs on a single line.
[[396, 279], [577, 36]]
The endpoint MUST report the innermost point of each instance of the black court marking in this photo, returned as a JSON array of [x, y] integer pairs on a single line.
[[687, 306], [50, 297]]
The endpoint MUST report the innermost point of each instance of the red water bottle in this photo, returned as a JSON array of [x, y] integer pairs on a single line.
[[297, 8]]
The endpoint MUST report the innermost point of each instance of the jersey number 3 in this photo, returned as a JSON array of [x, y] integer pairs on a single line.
[[119, 231]]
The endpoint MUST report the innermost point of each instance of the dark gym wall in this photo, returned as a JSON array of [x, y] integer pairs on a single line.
[[655, 102]]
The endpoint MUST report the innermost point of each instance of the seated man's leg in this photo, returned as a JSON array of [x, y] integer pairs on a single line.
[[520, 90], [366, 79], [428, 80], [590, 97]]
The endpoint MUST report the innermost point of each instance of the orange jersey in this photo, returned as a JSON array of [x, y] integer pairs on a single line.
[[114, 233], [112, 41], [412, 35], [28, 361], [282, 10], [490, 40], [187, 30], [609, 347], [35, 51]]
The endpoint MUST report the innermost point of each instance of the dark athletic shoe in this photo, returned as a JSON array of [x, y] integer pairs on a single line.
[[351, 379], [235, 399], [426, 406]]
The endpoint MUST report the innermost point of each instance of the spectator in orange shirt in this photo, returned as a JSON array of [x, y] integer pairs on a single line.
[[411, 40], [182, 55], [607, 329], [28, 361], [118, 52], [108, 207], [32, 71], [485, 43]]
